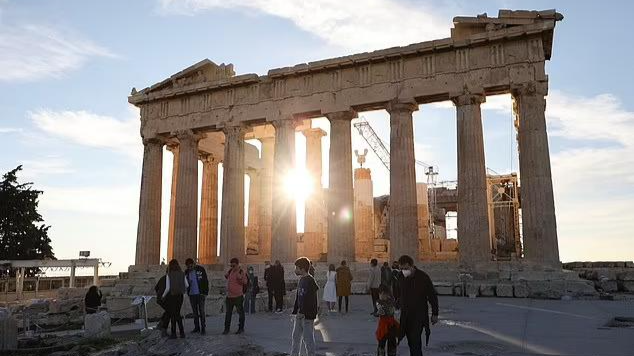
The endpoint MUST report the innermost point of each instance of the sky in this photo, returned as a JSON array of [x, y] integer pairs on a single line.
[[67, 67]]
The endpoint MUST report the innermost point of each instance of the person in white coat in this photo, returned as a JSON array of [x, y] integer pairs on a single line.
[[330, 290]]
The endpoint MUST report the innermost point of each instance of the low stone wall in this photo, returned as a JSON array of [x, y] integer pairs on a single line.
[[607, 277]]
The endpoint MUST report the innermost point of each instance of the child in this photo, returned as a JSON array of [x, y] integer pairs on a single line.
[[305, 310], [388, 328]]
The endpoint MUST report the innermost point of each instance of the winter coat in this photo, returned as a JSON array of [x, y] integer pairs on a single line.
[[344, 281], [417, 291], [374, 278]]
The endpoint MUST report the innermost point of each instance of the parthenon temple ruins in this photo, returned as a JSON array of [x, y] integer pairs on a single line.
[[207, 113]]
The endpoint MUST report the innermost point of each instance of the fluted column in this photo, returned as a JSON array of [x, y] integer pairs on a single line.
[[340, 194], [315, 208], [473, 213], [403, 213], [232, 213], [208, 234], [170, 229], [148, 242], [254, 212], [186, 207], [266, 197], [538, 206], [284, 230]]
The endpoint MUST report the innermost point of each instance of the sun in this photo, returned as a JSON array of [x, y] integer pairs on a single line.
[[298, 184]]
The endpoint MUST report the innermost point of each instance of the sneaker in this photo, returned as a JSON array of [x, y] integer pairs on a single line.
[[225, 332], [240, 331], [279, 311]]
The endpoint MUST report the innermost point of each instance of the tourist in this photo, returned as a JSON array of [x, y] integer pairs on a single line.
[[330, 290], [92, 301], [396, 290], [374, 281], [417, 291], [344, 284], [386, 275], [236, 280], [279, 286], [251, 291], [269, 285], [304, 310], [387, 331], [164, 321], [198, 291], [175, 286]]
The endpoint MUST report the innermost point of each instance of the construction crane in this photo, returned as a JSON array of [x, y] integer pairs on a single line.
[[377, 145]]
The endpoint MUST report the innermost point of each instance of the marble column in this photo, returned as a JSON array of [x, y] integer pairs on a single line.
[[208, 233], [232, 218], [403, 214], [254, 212], [186, 206], [170, 229], [473, 211], [148, 241], [284, 230], [341, 244], [538, 206], [266, 197], [315, 208]]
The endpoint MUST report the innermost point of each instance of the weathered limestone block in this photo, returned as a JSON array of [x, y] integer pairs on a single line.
[[214, 304], [121, 307], [8, 330], [473, 289], [626, 286], [520, 289], [359, 288], [626, 276], [579, 288], [65, 305], [487, 290], [545, 289], [444, 288], [120, 290], [70, 293], [504, 290], [97, 325], [457, 290], [608, 286]]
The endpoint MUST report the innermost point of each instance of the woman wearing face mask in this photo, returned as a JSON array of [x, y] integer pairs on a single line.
[[416, 292], [252, 291]]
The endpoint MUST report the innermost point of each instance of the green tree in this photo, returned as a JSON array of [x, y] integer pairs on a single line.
[[23, 235]]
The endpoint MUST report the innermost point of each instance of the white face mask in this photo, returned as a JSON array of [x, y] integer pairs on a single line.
[[407, 272]]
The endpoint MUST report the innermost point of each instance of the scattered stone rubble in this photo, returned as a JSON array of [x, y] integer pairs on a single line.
[[607, 277]]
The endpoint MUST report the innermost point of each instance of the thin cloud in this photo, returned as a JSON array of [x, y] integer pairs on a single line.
[[50, 165], [7, 130], [353, 25], [32, 52], [91, 130]]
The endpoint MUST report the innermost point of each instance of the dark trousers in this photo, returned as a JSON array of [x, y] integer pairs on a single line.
[[279, 299], [396, 292], [413, 333], [198, 309], [270, 294], [174, 304], [249, 302], [165, 317], [374, 292], [390, 342], [238, 303], [347, 302]]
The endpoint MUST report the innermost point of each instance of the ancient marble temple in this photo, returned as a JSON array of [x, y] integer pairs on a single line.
[[206, 113]]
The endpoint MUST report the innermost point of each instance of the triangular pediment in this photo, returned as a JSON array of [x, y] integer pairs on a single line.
[[201, 72]]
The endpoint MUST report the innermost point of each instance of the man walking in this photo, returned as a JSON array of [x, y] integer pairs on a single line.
[[236, 280], [269, 285], [197, 291], [304, 310], [374, 281], [277, 282], [417, 291]]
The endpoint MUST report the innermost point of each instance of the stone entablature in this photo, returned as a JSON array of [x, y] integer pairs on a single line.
[[494, 56]]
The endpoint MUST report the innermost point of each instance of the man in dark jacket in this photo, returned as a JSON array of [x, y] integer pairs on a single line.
[[269, 285], [304, 310], [197, 291], [417, 291], [396, 288], [277, 284], [159, 288]]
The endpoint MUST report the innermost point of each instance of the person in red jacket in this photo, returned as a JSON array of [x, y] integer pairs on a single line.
[[236, 280]]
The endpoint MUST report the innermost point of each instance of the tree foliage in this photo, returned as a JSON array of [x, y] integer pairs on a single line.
[[23, 234]]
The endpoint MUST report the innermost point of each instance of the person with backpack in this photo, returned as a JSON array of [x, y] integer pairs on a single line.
[[304, 310], [251, 291], [236, 282]]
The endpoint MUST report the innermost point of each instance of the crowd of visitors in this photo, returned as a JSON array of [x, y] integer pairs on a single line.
[[400, 286]]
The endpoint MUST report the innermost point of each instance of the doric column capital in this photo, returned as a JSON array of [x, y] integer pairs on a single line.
[[399, 106], [267, 139], [530, 88], [346, 115], [188, 135], [467, 98], [154, 140], [251, 172], [205, 157], [314, 132], [289, 123], [235, 131], [172, 147]]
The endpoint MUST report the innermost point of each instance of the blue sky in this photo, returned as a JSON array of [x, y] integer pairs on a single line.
[[66, 68]]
